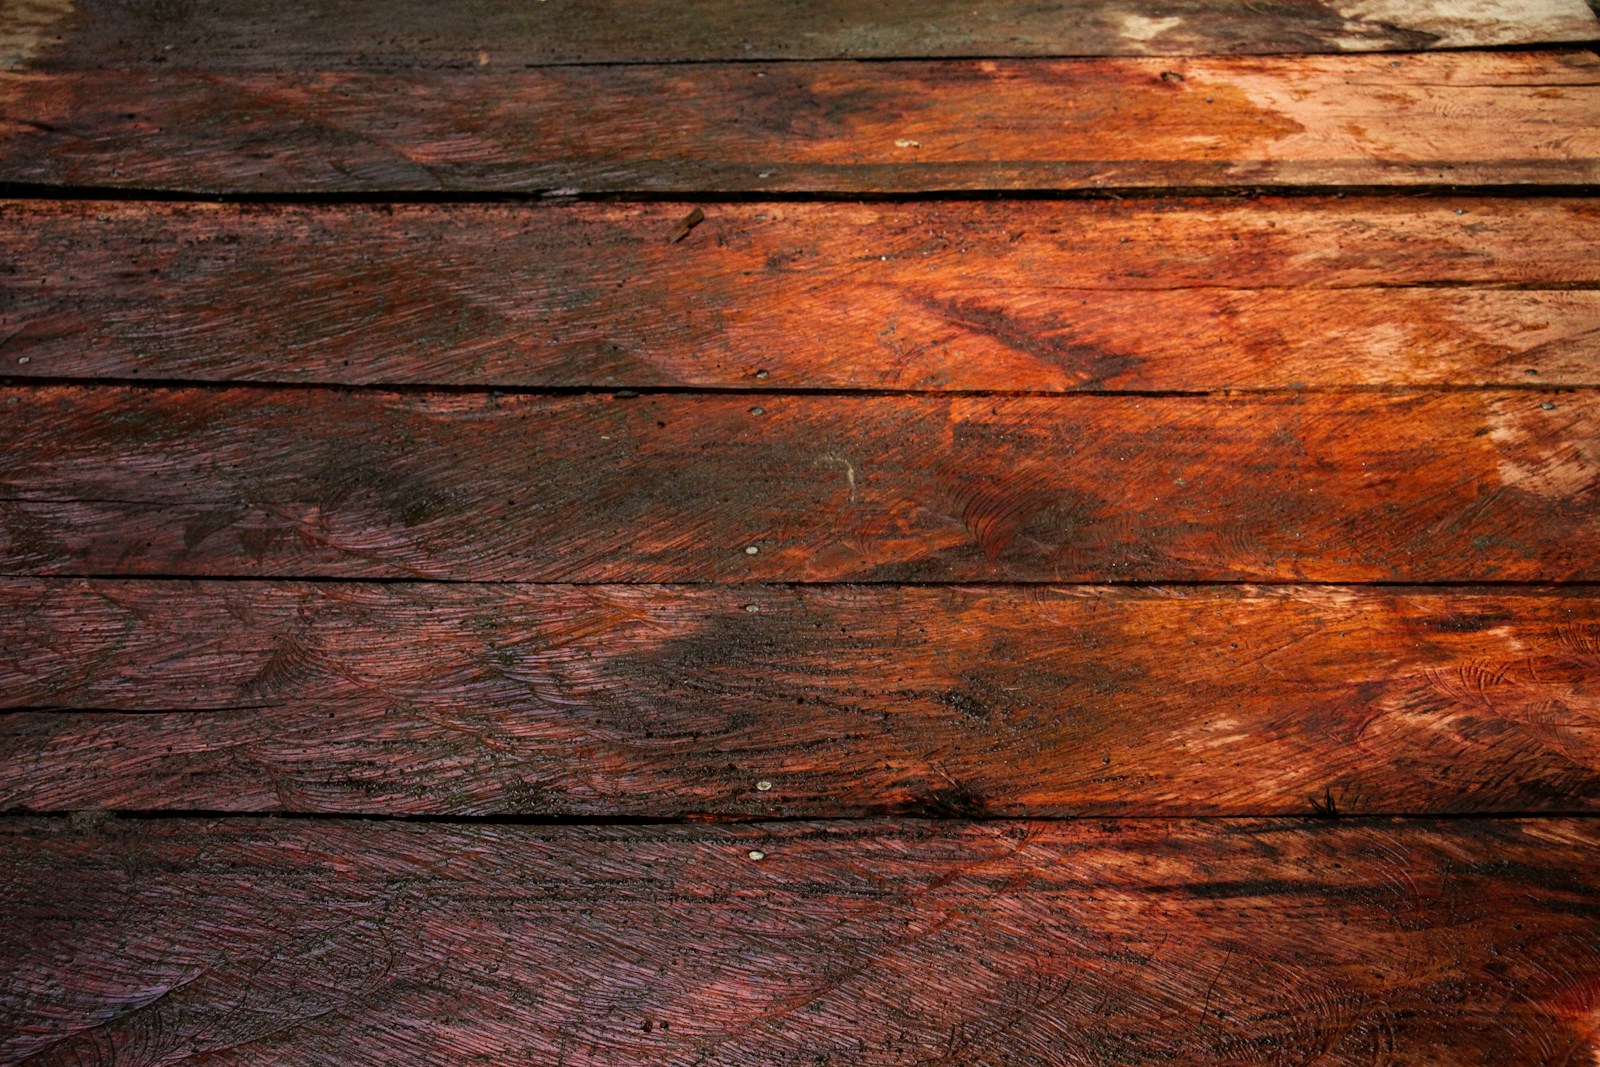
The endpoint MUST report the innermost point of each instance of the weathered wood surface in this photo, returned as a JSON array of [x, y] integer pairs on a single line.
[[420, 35], [1035, 296], [107, 480], [1230, 941], [845, 701], [1266, 942], [1454, 118]]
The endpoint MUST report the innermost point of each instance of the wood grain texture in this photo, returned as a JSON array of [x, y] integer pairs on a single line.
[[106, 480], [847, 701], [1455, 118], [1051, 296], [1265, 942], [418, 35]]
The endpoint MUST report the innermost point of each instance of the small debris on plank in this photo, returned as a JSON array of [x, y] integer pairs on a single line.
[[687, 223]]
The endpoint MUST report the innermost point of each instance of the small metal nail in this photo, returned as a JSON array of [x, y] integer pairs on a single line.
[[764, 785], [757, 854]]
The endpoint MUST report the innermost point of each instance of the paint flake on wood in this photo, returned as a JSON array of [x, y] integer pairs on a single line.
[[1026, 296], [1447, 118], [673, 701], [1268, 942]]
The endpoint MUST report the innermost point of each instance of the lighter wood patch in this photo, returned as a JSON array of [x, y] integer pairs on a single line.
[[1539, 453], [26, 27], [1470, 23], [1141, 30]]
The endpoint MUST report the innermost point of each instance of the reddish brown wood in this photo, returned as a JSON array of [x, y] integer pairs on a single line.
[[418, 34], [317, 941], [210, 482], [243, 942], [1028, 296], [1453, 118], [665, 702]]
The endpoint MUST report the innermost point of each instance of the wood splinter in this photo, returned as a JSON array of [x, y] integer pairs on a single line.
[[687, 223]]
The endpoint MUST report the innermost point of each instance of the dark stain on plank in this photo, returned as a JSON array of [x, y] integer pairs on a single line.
[[673, 701], [1112, 943], [232, 35], [107, 480], [1034, 296], [1454, 119]]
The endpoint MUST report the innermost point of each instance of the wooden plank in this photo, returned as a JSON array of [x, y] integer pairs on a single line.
[[1051, 296], [1448, 487], [417, 35], [1265, 942], [846, 701], [1453, 118]]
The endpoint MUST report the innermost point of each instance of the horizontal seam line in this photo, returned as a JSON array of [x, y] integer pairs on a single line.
[[708, 820], [39, 191], [756, 391], [1460, 584], [59, 65]]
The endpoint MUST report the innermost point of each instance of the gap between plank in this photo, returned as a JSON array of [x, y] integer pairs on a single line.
[[150, 815], [1577, 44], [624, 393], [1461, 586], [133, 194], [98, 816]]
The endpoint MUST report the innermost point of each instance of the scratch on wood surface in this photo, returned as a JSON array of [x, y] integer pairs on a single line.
[[839, 460]]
